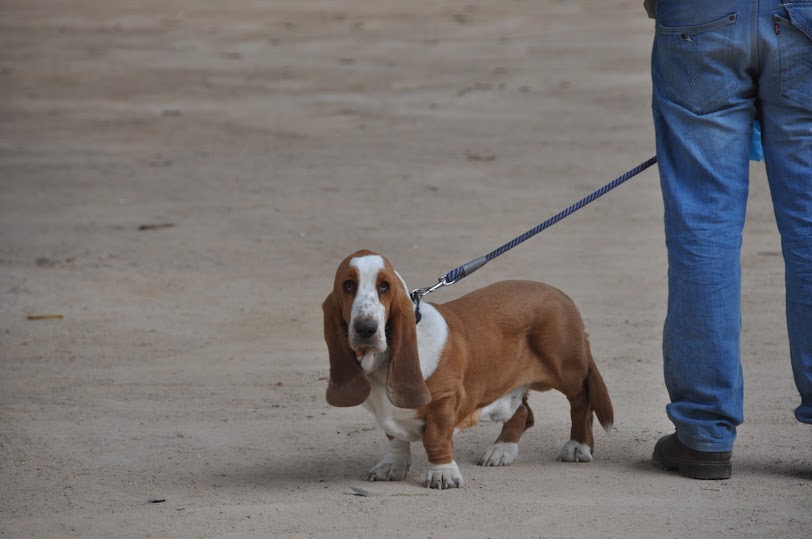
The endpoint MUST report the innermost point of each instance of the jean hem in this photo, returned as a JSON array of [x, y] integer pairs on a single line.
[[803, 417], [703, 445]]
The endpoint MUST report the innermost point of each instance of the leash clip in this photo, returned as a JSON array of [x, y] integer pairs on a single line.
[[417, 294]]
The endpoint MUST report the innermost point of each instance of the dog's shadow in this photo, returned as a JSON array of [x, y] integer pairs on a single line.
[[289, 471], [309, 469]]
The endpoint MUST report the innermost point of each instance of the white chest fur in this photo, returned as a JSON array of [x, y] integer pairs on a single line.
[[401, 423], [432, 333]]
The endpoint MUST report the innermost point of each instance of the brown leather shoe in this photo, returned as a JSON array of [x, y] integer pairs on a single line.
[[671, 454]]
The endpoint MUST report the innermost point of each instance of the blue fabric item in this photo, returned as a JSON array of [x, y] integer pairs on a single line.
[[756, 149], [717, 67]]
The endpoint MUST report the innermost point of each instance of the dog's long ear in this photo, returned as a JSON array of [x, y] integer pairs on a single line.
[[348, 385], [405, 385]]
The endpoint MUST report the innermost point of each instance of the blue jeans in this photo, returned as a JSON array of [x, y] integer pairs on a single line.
[[717, 66]]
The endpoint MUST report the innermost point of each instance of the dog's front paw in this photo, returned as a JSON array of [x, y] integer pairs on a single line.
[[500, 454], [443, 476], [394, 469], [575, 452]]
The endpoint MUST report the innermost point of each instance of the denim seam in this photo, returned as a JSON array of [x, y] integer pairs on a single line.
[[754, 50], [701, 445], [697, 28]]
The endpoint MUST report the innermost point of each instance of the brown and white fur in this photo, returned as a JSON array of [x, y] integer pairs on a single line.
[[472, 358]]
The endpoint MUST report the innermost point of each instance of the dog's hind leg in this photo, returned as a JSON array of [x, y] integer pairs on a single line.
[[506, 448], [587, 397], [579, 447]]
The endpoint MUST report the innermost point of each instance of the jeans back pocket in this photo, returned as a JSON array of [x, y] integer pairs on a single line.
[[795, 48], [695, 63]]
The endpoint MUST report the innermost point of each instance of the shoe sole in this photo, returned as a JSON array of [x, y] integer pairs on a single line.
[[696, 470]]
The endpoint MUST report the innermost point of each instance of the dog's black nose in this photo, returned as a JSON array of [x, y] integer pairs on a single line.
[[365, 328]]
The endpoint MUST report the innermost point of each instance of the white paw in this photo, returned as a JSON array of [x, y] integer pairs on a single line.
[[442, 476], [575, 452], [395, 464], [389, 471], [500, 454]]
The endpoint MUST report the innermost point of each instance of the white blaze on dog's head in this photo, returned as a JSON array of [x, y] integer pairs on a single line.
[[367, 325]]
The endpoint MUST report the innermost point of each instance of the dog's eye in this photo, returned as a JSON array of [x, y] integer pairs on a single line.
[[350, 286], [383, 288]]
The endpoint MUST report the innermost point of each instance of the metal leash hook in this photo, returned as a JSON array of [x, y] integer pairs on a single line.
[[418, 293], [445, 280]]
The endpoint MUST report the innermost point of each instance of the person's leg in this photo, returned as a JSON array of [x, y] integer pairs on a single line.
[[703, 105], [785, 103]]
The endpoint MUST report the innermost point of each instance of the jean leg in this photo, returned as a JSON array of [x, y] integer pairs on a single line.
[[703, 130], [785, 102], [705, 203]]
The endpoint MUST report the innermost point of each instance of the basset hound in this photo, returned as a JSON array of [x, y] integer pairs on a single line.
[[471, 358]]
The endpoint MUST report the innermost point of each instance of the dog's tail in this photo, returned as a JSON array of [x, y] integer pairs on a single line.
[[599, 395]]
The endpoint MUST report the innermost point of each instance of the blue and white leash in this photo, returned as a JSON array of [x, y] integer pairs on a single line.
[[465, 270]]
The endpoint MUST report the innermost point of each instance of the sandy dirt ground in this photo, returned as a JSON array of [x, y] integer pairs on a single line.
[[278, 137]]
